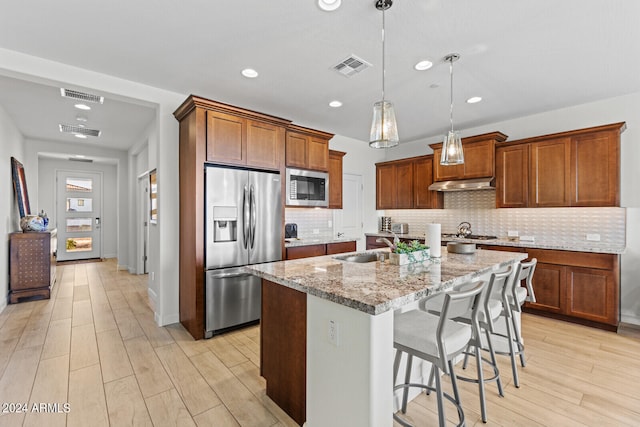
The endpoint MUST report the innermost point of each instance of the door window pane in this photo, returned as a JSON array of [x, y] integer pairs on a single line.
[[79, 185], [75, 225], [75, 204], [79, 244]]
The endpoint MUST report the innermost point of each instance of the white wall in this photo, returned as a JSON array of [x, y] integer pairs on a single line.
[[11, 145], [47, 190], [619, 109]]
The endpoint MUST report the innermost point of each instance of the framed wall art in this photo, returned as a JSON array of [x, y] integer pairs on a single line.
[[20, 187]]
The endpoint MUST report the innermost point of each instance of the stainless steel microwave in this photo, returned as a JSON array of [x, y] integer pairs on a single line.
[[307, 188]]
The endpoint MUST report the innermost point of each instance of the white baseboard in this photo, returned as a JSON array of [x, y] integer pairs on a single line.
[[166, 320], [3, 305]]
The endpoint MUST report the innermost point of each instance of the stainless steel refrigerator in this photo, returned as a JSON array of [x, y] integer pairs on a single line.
[[244, 226]]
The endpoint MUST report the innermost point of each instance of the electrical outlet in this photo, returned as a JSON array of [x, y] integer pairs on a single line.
[[527, 238], [153, 276], [593, 237], [512, 233], [332, 332], [316, 231], [329, 223]]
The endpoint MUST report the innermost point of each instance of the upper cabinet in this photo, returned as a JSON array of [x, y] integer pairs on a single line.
[[479, 160], [307, 148], [335, 179], [403, 184], [238, 140], [576, 168]]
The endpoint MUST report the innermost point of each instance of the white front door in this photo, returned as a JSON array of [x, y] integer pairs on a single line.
[[79, 215], [349, 218]]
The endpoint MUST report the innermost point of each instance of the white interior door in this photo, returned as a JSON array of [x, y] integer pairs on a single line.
[[348, 220], [79, 215]]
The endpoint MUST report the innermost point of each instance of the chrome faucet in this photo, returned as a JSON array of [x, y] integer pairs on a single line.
[[386, 241]]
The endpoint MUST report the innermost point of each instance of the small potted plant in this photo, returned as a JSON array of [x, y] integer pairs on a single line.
[[406, 253]]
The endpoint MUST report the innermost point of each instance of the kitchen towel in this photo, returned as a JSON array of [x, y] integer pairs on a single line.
[[433, 240]]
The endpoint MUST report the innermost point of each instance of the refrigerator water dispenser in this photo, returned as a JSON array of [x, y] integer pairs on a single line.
[[225, 223]]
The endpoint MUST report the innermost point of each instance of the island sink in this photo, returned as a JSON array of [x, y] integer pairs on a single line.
[[367, 257]]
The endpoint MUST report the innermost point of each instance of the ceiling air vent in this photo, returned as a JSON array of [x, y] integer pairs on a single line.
[[81, 96], [79, 130], [76, 159], [351, 65]]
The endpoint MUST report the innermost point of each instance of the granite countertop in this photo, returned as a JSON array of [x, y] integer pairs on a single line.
[[292, 242], [376, 287], [595, 247]]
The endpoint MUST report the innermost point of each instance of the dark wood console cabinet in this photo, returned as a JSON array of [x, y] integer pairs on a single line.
[[32, 265]]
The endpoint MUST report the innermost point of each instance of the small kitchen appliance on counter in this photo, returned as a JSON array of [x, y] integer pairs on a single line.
[[385, 223], [291, 231], [400, 228]]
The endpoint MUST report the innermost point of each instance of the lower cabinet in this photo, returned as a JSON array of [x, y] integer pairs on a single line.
[[283, 348], [307, 251], [579, 286]]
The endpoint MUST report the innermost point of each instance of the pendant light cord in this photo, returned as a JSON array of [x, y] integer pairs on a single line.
[[383, 54], [451, 93]]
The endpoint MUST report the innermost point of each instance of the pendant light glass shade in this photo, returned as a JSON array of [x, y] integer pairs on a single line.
[[452, 153], [384, 130]]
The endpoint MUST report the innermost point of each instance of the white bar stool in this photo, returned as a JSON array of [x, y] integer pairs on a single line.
[[436, 339]]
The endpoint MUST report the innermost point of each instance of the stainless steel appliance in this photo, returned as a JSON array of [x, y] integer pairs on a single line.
[[291, 231], [400, 227], [307, 188], [243, 226]]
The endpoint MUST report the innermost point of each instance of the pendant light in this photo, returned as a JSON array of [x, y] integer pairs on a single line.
[[452, 153], [384, 129]]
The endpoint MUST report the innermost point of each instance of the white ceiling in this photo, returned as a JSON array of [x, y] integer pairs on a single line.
[[522, 57]]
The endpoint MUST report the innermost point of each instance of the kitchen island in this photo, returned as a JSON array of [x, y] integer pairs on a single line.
[[327, 329]]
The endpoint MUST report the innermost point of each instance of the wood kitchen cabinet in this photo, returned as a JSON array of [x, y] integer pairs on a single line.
[[236, 140], [479, 158], [335, 179], [549, 173], [213, 132], [404, 184], [575, 168], [583, 287], [283, 348], [307, 251], [512, 176], [32, 265], [307, 148]]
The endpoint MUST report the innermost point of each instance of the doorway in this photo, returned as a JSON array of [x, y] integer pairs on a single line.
[[348, 220], [142, 219], [79, 215]]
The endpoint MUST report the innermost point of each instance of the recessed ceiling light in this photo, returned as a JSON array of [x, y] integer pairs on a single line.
[[423, 65], [474, 100], [329, 5], [79, 135], [250, 73], [79, 156], [82, 107], [81, 118], [335, 104]]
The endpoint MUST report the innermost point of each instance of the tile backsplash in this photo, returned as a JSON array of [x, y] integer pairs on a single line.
[[550, 225], [309, 220]]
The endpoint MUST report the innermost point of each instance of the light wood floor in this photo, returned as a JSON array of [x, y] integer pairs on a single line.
[[94, 345]]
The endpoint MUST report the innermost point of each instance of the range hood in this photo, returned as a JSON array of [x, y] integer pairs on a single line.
[[464, 185]]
